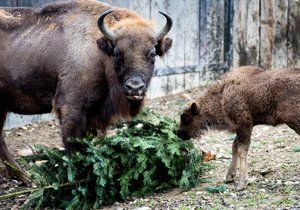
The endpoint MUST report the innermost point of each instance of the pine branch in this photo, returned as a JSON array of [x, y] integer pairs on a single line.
[[145, 156]]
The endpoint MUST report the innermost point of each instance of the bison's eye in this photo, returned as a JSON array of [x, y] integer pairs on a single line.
[[185, 118], [117, 55], [152, 55]]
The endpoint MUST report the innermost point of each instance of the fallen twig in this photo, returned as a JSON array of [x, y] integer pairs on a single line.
[[32, 190], [25, 176]]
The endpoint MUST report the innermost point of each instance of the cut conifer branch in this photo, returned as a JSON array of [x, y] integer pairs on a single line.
[[143, 157]]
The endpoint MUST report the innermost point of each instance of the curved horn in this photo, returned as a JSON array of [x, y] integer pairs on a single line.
[[105, 31], [159, 35]]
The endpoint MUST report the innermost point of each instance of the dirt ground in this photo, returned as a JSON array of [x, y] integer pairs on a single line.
[[274, 166]]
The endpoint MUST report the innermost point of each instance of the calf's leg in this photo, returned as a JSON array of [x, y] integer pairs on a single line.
[[289, 113], [237, 111], [240, 150], [244, 140], [233, 166]]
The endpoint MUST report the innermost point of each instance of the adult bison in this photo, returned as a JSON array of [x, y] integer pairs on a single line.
[[56, 58], [241, 99]]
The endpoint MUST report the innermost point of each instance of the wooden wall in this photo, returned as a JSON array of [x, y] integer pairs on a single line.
[[266, 33]]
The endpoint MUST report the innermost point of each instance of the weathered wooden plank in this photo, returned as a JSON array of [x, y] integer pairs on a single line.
[[212, 37], [191, 31], [142, 7], [266, 34], [159, 21], [175, 70], [117, 3], [176, 9], [279, 53], [274, 31], [178, 57], [158, 87], [252, 31], [191, 80], [28, 3], [191, 43], [246, 33], [293, 50], [175, 58], [228, 27], [175, 83], [34, 3], [202, 39], [11, 3], [215, 39], [43, 2], [215, 31]]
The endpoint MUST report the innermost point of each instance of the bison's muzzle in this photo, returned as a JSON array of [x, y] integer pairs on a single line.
[[135, 88], [183, 135]]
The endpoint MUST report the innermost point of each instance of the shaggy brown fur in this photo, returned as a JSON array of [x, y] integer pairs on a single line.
[[241, 99], [57, 58]]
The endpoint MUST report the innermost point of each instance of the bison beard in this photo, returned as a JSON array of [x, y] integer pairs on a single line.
[[116, 106], [241, 99], [90, 70]]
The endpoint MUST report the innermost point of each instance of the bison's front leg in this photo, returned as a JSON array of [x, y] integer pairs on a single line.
[[240, 116], [73, 125], [244, 139], [240, 150], [233, 166]]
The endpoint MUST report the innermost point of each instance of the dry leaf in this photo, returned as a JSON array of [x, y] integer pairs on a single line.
[[208, 156]]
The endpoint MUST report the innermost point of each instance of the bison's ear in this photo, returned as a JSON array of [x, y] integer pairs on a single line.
[[163, 46], [195, 109], [105, 46]]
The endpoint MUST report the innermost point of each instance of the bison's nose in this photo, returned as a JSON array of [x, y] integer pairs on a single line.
[[135, 86], [183, 135]]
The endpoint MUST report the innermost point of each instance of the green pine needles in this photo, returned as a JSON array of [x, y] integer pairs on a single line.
[[144, 157]]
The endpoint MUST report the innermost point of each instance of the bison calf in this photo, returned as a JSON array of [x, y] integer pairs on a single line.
[[241, 99]]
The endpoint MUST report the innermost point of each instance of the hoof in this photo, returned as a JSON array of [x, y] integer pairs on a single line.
[[229, 179], [241, 187]]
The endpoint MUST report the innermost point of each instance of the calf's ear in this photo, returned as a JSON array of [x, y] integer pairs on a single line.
[[163, 46], [105, 46], [195, 109]]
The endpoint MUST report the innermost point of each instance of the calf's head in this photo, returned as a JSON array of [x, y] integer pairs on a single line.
[[192, 122], [133, 45]]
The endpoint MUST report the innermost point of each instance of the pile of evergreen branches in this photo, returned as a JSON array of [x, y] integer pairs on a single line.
[[145, 156]]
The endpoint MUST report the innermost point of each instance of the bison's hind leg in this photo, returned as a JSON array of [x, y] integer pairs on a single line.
[[295, 126], [6, 157], [291, 117]]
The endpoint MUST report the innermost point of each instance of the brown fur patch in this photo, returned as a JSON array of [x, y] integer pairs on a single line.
[[8, 19], [58, 7]]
